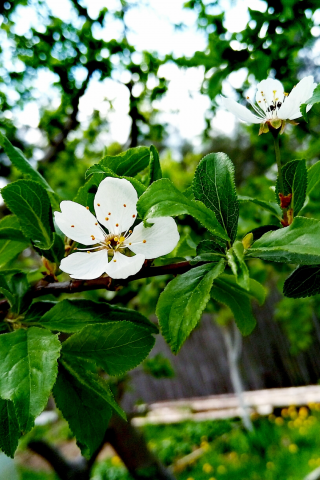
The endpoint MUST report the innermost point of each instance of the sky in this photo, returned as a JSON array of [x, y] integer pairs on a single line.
[[150, 28]]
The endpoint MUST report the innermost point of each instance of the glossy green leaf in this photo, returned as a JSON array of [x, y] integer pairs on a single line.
[[215, 245], [311, 101], [19, 287], [214, 185], [206, 257], [313, 177], [37, 310], [86, 193], [56, 252], [21, 163], [235, 257], [30, 203], [186, 247], [85, 401], [182, 302], [155, 172], [162, 199], [28, 369], [9, 428], [107, 172], [227, 291], [271, 207], [72, 315], [303, 282], [298, 243], [128, 163], [9, 249], [295, 180], [115, 346]]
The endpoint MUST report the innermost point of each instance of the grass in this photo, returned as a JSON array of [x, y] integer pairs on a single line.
[[283, 446]]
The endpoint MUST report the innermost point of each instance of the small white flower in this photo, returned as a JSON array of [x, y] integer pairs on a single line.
[[115, 206], [273, 105]]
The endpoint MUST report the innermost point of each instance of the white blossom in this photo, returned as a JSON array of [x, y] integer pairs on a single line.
[[272, 104], [110, 251]]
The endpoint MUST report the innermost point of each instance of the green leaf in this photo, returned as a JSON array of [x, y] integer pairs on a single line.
[[30, 203], [182, 302], [186, 247], [259, 231], [238, 266], [55, 253], [37, 310], [155, 168], [313, 177], [115, 346], [9, 428], [215, 245], [22, 164], [6, 291], [213, 184], [314, 99], [128, 163], [295, 178], [19, 287], [12, 234], [162, 199], [85, 401], [28, 369], [206, 257], [107, 172], [86, 193], [271, 207], [9, 249], [303, 282], [227, 291], [72, 315], [298, 243]]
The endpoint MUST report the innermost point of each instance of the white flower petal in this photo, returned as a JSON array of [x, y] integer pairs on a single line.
[[78, 223], [85, 266], [269, 91], [160, 239], [298, 95], [121, 266], [115, 204], [239, 110]]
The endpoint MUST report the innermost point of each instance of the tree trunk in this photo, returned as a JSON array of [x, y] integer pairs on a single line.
[[132, 448]]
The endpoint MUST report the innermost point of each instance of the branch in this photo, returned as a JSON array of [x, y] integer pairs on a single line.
[[45, 287], [78, 469]]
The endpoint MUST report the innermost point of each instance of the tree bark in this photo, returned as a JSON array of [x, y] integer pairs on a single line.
[[132, 448]]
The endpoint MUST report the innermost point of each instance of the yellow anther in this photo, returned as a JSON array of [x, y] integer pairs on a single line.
[[130, 231], [108, 242], [248, 98], [87, 208], [117, 224], [116, 239], [133, 216], [96, 223], [286, 94], [98, 204], [144, 241], [130, 243], [88, 252], [122, 239], [114, 260], [93, 237], [72, 226], [107, 218], [109, 213], [124, 205]]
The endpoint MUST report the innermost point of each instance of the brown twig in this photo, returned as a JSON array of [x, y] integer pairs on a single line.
[[44, 287]]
